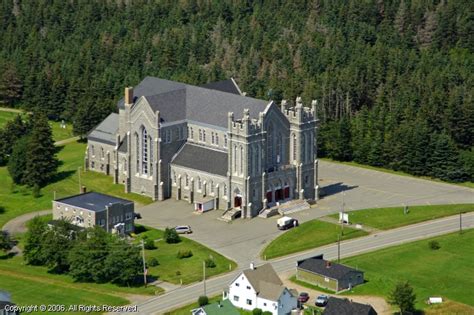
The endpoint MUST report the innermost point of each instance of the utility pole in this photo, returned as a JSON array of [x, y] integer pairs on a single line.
[[343, 204], [338, 248], [204, 275], [144, 264]]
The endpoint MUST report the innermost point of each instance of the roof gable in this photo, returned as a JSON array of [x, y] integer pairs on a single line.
[[326, 268], [337, 306], [228, 86]]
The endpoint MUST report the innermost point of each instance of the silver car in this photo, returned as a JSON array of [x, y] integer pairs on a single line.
[[183, 229]]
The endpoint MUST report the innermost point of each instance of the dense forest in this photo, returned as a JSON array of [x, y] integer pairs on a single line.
[[394, 79]]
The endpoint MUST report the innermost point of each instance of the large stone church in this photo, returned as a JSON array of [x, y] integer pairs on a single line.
[[210, 142]]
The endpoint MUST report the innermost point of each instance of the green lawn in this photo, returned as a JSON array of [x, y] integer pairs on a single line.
[[17, 200], [308, 235], [389, 218], [190, 269], [447, 272], [186, 310], [386, 170], [58, 132]]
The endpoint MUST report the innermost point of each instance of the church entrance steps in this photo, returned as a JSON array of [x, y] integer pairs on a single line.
[[266, 213], [293, 206], [231, 215]]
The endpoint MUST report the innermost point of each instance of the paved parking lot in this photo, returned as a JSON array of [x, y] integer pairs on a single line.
[[242, 240]]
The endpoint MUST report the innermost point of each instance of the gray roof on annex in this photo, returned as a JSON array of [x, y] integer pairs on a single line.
[[178, 101], [201, 158], [325, 268], [93, 201], [105, 132]]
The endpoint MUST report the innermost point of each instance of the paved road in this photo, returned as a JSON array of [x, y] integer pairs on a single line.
[[17, 225], [187, 294], [242, 240]]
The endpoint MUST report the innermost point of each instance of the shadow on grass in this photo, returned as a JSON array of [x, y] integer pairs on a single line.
[[7, 256], [2, 210], [61, 176], [140, 229]]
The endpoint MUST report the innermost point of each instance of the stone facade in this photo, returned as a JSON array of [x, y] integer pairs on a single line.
[[270, 154]]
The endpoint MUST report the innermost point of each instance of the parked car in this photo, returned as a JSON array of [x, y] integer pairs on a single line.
[[137, 215], [321, 300], [286, 223], [303, 297], [183, 229]]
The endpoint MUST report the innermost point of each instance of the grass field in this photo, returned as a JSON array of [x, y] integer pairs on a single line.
[[58, 132], [446, 272], [386, 170], [17, 200], [308, 235], [186, 310], [389, 218], [190, 269]]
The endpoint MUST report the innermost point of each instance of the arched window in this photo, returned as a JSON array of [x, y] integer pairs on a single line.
[[204, 135], [93, 150], [151, 154], [294, 147], [137, 152], [241, 160], [212, 137], [225, 190], [212, 186], [279, 149], [144, 151], [308, 148], [225, 141], [102, 153], [174, 177], [200, 135], [192, 133], [217, 138], [270, 145], [235, 158], [186, 182], [199, 183]]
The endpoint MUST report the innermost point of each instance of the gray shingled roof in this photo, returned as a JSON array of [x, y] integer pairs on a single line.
[[124, 145], [202, 159], [337, 306], [265, 281], [105, 132], [319, 266], [92, 201], [178, 101], [228, 86]]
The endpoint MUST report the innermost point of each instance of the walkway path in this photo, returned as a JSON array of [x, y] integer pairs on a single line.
[[18, 224], [366, 228], [66, 141]]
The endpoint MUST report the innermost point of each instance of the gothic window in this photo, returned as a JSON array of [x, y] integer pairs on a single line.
[[200, 135], [124, 166], [241, 160], [137, 151], [102, 154], [199, 183], [235, 158], [212, 186], [225, 141], [168, 136], [279, 149], [144, 151], [212, 137], [174, 177], [270, 145], [192, 133], [186, 182], [307, 148], [225, 190], [151, 154], [93, 150], [294, 147], [178, 133], [217, 138], [204, 135], [304, 148]]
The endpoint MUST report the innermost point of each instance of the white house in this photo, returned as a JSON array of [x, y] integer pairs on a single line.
[[260, 287]]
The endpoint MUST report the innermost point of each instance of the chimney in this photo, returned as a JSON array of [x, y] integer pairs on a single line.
[[252, 266], [129, 95], [328, 264], [83, 189]]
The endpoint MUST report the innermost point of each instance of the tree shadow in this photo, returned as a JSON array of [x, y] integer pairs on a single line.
[[2, 210], [61, 176], [335, 189]]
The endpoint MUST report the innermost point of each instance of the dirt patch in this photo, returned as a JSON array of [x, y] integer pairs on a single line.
[[377, 302]]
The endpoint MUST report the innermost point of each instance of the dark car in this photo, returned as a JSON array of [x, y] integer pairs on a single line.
[[137, 215], [321, 300], [303, 297]]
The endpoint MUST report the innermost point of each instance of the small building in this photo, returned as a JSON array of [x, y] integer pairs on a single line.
[[6, 304], [337, 306], [115, 215], [329, 275], [219, 308], [260, 287]]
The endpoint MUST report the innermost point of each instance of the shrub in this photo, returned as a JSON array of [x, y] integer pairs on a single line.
[[178, 273], [210, 263], [150, 244], [257, 311], [267, 313], [171, 236], [203, 300], [184, 254], [434, 245], [153, 262]]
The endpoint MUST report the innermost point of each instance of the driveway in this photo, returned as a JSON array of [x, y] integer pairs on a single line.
[[242, 240]]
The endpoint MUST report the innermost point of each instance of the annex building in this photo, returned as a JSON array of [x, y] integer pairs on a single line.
[[210, 142]]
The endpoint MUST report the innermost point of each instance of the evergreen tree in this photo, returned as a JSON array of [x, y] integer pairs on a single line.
[[19, 160], [9, 135], [444, 161], [10, 85], [403, 297], [42, 163]]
